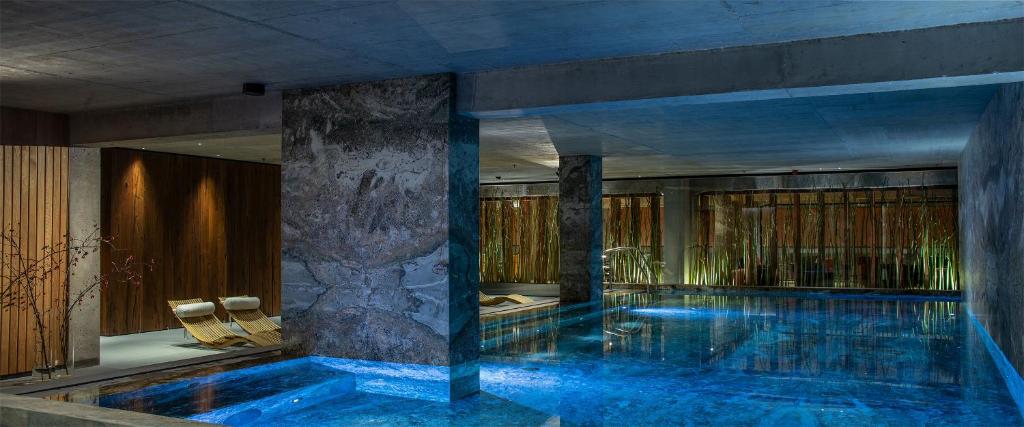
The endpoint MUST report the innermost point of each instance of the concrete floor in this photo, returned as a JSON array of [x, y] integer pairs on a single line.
[[124, 352], [148, 348], [130, 351]]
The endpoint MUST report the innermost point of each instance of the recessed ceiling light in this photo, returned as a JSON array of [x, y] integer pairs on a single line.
[[199, 144]]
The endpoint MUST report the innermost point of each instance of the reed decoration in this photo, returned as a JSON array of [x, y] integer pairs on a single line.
[[891, 238], [519, 238]]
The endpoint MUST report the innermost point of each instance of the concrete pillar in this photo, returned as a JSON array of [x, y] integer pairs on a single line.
[[580, 234], [686, 229], [676, 214], [380, 212], [84, 191]]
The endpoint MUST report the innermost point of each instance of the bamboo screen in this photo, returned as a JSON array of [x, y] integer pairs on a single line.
[[519, 240], [519, 237], [896, 238], [631, 222]]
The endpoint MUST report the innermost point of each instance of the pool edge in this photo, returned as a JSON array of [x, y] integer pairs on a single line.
[[1012, 378]]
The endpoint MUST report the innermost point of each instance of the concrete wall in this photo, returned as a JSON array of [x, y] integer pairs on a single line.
[[991, 178], [232, 115], [380, 243], [84, 212]]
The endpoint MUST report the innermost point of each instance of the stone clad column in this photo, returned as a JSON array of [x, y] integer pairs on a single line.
[[580, 234], [380, 213]]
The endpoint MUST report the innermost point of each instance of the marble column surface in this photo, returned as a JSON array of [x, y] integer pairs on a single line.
[[380, 241], [991, 189], [580, 236]]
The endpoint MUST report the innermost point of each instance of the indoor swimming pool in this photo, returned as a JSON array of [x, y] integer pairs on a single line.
[[641, 359]]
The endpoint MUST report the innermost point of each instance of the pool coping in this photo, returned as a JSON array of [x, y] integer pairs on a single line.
[[1014, 382], [34, 411]]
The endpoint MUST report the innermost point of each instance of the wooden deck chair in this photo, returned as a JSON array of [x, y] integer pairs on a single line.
[[495, 300], [245, 311], [208, 329]]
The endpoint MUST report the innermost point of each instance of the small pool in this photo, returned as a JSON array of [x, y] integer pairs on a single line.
[[644, 359]]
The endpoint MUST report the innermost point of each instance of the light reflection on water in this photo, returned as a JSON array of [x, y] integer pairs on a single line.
[[652, 359]]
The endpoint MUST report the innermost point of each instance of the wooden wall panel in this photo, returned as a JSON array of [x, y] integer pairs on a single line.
[[212, 227], [34, 192]]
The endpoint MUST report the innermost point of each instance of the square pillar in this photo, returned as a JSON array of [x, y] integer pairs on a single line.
[[677, 235], [84, 216], [380, 213], [580, 234]]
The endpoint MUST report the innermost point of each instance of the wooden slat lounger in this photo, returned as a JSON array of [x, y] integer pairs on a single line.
[[495, 300], [255, 322], [209, 330]]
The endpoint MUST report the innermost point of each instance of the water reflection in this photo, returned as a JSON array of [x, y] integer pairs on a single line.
[[876, 339], [787, 359]]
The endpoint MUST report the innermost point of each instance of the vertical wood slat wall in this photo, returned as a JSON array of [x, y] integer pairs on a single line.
[[211, 226], [34, 191]]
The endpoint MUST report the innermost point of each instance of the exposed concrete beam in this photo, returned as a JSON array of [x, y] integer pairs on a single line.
[[958, 55], [223, 116]]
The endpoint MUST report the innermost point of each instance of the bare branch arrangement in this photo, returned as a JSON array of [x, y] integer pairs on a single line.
[[23, 274]]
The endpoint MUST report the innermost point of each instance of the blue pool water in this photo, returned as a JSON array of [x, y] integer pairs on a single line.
[[642, 360]]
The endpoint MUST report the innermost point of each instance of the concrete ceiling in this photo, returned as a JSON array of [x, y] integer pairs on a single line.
[[74, 55], [908, 129]]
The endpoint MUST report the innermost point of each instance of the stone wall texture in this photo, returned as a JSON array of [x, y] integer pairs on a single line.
[[380, 188], [991, 181], [580, 234]]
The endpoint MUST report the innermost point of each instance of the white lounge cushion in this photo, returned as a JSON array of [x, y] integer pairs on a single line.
[[241, 303], [194, 310]]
